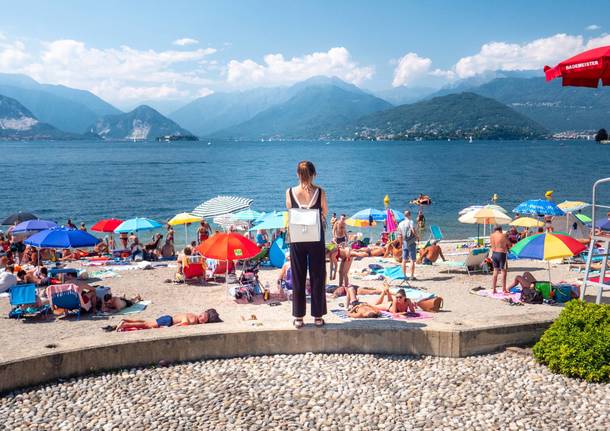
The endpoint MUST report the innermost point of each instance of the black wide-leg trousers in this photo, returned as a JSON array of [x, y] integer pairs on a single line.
[[312, 255]]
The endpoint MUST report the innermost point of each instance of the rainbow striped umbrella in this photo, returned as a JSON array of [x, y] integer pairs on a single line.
[[547, 246]]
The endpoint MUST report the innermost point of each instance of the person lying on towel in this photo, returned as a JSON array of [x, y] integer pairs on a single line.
[[183, 319]]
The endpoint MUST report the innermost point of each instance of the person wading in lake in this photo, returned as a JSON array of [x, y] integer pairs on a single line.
[[307, 207]]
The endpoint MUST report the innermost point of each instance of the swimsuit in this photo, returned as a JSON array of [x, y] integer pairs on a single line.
[[165, 321], [340, 239], [499, 259]]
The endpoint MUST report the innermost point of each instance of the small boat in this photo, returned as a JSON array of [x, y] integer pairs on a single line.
[[604, 141]]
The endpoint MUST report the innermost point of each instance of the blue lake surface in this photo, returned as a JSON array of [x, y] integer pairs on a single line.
[[91, 180]]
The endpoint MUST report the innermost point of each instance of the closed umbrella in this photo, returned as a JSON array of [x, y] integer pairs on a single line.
[[18, 218], [222, 205]]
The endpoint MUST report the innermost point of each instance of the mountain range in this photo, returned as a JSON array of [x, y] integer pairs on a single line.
[[455, 116], [323, 108], [142, 123], [19, 123]]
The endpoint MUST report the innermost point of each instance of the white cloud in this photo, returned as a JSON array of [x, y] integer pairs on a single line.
[[592, 27], [410, 67], [120, 75], [185, 41], [498, 56], [275, 69]]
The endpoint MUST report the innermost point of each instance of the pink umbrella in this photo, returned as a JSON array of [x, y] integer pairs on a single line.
[[390, 222]]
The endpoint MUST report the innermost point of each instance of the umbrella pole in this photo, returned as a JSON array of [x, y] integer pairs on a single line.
[[186, 236], [548, 262]]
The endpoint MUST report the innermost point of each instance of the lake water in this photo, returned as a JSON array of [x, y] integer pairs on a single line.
[[91, 180]]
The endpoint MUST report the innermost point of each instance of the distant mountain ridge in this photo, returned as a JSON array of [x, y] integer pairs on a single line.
[[65, 108], [555, 107], [143, 123], [19, 123], [455, 116], [316, 109]]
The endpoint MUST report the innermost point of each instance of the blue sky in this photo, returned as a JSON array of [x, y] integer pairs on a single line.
[[126, 51]]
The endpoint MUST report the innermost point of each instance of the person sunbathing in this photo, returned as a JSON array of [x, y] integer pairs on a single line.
[[370, 251], [101, 248], [343, 291], [182, 319], [112, 303], [396, 304], [394, 249], [429, 255], [526, 280]]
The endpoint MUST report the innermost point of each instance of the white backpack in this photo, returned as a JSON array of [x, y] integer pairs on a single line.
[[304, 222]]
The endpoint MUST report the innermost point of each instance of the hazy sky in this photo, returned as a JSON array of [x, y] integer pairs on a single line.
[[129, 51]]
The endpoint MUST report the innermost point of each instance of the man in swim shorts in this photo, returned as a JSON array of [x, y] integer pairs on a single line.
[[499, 251], [183, 319], [340, 230], [430, 254]]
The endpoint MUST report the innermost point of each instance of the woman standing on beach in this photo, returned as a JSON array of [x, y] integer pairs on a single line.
[[307, 254]]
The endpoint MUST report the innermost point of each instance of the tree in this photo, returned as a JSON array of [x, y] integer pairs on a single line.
[[601, 135]]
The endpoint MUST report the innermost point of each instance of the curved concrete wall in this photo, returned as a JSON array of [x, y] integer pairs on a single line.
[[331, 339]]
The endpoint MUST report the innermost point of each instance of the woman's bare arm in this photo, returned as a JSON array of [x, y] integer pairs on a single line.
[[324, 205], [288, 203]]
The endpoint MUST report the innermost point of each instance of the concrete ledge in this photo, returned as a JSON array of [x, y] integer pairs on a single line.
[[333, 338]]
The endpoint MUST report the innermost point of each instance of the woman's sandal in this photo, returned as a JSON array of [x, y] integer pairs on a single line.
[[319, 322], [298, 323]]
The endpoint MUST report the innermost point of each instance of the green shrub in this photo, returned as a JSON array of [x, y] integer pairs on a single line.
[[577, 344]]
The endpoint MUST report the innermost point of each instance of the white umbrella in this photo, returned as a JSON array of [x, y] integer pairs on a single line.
[[228, 220], [485, 215], [221, 205]]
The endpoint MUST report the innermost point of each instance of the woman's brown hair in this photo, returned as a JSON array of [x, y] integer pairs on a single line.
[[306, 171]]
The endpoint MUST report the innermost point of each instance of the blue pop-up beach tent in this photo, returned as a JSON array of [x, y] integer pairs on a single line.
[[277, 252]]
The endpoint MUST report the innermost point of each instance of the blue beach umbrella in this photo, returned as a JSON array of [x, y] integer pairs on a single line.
[[34, 226], [398, 216], [539, 207], [247, 215], [369, 214], [273, 220], [62, 237], [137, 224]]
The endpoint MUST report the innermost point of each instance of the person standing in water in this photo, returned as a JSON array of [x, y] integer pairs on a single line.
[[311, 255]]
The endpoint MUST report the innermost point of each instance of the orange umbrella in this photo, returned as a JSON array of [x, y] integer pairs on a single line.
[[228, 246]]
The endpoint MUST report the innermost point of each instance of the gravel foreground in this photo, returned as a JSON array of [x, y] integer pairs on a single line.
[[318, 392]]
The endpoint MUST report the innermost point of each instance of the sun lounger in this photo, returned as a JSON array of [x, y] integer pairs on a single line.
[[471, 263]]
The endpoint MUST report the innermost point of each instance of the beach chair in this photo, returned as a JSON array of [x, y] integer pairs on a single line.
[[393, 273], [471, 263], [435, 233], [24, 302], [65, 298], [195, 269]]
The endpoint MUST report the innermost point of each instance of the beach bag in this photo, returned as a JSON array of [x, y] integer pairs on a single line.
[[562, 293], [431, 304], [304, 223], [531, 296]]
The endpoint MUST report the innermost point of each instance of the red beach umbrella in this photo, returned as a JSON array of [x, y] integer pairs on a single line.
[[228, 246], [106, 225], [584, 69]]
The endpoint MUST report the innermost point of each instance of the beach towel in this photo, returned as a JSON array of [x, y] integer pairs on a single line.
[[342, 314], [488, 293], [104, 273], [138, 307]]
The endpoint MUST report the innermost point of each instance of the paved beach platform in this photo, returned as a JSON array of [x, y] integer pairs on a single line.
[[469, 324]]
